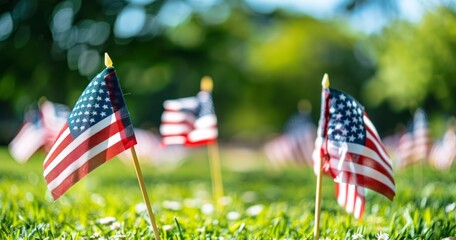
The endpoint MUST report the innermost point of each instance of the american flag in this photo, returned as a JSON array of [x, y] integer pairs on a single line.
[[414, 144], [97, 130], [189, 121], [351, 198], [443, 152], [295, 145], [421, 139], [30, 137], [349, 146], [54, 116]]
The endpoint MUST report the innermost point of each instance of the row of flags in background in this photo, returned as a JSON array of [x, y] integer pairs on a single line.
[[295, 145], [98, 128]]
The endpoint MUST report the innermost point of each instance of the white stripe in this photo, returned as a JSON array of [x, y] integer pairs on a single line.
[[370, 125], [84, 159], [202, 134], [181, 103], [27, 142], [57, 144], [174, 129], [358, 204], [383, 154], [342, 194], [349, 205], [355, 168], [206, 121], [76, 142], [176, 117], [335, 147], [170, 140]]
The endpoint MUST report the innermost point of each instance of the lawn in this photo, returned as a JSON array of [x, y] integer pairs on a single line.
[[259, 203]]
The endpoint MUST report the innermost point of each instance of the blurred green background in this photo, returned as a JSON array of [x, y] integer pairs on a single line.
[[264, 56]]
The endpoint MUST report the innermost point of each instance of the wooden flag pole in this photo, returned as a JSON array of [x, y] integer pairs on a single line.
[[214, 155], [324, 84], [142, 186], [144, 192]]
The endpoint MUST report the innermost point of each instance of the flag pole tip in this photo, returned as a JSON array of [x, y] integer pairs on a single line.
[[42, 100], [107, 60], [206, 84], [325, 81]]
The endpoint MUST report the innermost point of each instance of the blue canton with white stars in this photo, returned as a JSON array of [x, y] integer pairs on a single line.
[[93, 105], [206, 107], [346, 122]]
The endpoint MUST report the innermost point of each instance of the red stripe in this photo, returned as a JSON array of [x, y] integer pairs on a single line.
[[377, 138], [89, 166], [84, 147], [63, 144], [200, 143], [366, 181]]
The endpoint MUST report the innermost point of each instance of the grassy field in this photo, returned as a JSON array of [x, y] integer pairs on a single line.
[[259, 204]]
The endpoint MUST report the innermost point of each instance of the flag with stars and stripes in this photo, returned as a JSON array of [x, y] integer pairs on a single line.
[[189, 121], [295, 145], [443, 151], [349, 146], [30, 138], [97, 130]]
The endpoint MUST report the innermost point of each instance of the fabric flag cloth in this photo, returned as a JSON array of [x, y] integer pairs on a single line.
[[54, 117], [351, 198], [349, 146], [30, 138], [295, 145], [189, 121], [443, 152], [98, 129]]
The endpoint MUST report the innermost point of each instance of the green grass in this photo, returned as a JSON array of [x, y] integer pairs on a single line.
[[259, 203]]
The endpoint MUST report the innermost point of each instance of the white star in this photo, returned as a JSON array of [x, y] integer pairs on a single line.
[[346, 122], [101, 91], [78, 120], [330, 131], [84, 120], [92, 120], [359, 111], [93, 91], [105, 106], [348, 113], [338, 126], [338, 116], [103, 114], [95, 83], [97, 105], [360, 135], [75, 128], [86, 113], [337, 137], [355, 112], [82, 106], [94, 113], [85, 99], [89, 105], [98, 98], [354, 128], [332, 110], [344, 132], [349, 104], [351, 138], [79, 113], [103, 83], [107, 99], [342, 97], [341, 106], [90, 98]]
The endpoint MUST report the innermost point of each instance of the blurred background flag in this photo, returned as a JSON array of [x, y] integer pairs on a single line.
[[350, 147], [30, 138], [98, 129], [189, 121], [295, 145], [54, 117], [443, 151], [421, 139]]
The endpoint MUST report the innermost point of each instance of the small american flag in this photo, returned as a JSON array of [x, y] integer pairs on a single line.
[[349, 146], [30, 137], [443, 152], [97, 130], [295, 145], [54, 116], [189, 121]]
